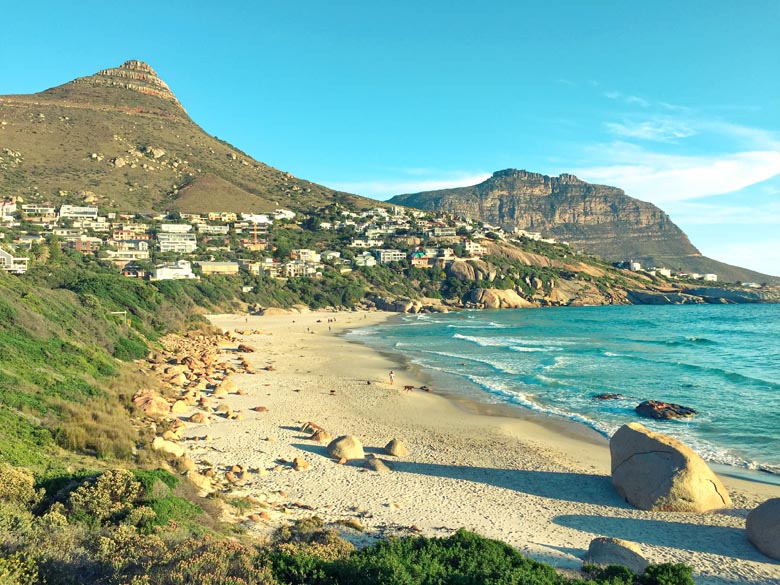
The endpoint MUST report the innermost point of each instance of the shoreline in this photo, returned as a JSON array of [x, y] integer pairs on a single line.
[[764, 474], [541, 486]]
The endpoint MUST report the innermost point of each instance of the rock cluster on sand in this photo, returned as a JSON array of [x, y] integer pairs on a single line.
[[614, 551], [763, 528], [652, 471]]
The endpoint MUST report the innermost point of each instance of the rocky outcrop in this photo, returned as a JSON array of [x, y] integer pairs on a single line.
[[614, 551], [644, 297], [652, 471], [663, 410], [491, 298], [471, 270], [763, 528], [133, 75]]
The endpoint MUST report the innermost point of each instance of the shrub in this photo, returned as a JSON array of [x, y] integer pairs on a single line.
[[667, 574], [18, 487], [18, 569], [108, 498], [462, 558]]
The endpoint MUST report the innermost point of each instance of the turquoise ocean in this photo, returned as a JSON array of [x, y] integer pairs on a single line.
[[721, 360]]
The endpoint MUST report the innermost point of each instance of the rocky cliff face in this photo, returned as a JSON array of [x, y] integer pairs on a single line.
[[133, 75], [596, 218]]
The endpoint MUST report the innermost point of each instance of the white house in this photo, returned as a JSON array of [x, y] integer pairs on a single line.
[[387, 256], [306, 255], [175, 228], [365, 259], [474, 248], [181, 243], [10, 263], [181, 270], [79, 212]]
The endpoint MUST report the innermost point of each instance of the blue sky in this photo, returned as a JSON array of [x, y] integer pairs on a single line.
[[678, 103]]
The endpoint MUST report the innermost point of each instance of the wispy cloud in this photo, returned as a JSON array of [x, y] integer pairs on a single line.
[[633, 100], [658, 129], [661, 178], [385, 188]]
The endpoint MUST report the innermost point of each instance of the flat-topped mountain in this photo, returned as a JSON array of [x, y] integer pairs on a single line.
[[120, 138], [599, 219]]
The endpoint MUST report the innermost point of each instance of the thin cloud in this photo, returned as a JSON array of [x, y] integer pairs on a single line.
[[661, 178], [633, 100], [658, 130]]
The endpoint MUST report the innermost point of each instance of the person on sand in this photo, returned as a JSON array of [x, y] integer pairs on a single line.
[[392, 376]]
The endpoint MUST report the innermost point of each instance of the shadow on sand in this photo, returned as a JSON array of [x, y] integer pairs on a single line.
[[716, 540], [574, 487]]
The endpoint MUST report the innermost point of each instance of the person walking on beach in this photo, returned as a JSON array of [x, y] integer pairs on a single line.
[[392, 376]]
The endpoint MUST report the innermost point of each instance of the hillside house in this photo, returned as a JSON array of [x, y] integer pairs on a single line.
[[179, 243], [419, 259], [7, 211], [78, 212], [365, 259], [85, 244], [39, 211], [271, 268], [180, 270], [11, 263], [306, 255], [364, 243], [175, 228], [474, 249], [299, 268], [217, 230], [223, 268], [223, 216], [387, 256], [250, 266]]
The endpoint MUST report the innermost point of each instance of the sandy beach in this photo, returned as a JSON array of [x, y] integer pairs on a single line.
[[540, 485]]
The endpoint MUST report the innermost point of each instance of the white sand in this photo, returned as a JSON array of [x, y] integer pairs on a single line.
[[539, 485]]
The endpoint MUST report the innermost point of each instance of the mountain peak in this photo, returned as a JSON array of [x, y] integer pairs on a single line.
[[524, 175], [133, 75]]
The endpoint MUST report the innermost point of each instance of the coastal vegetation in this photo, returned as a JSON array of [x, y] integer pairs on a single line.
[[83, 498]]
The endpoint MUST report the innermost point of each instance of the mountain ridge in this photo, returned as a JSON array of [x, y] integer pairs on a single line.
[[598, 219]]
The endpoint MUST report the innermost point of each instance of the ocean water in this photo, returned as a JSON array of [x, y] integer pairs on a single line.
[[721, 360]]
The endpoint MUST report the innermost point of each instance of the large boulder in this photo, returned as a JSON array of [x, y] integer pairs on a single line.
[[763, 528], [151, 404], [160, 444], [652, 471], [346, 447], [396, 448], [493, 298], [614, 551]]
